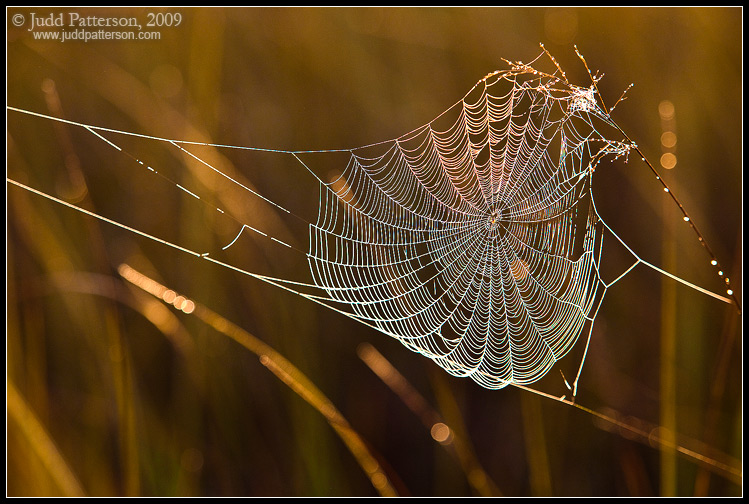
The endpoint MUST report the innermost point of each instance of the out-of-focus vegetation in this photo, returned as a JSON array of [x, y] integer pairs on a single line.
[[112, 393]]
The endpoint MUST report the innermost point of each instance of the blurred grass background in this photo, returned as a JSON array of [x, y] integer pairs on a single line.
[[139, 400]]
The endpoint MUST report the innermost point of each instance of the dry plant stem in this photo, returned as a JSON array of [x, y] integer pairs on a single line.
[[42, 443], [719, 463], [282, 368], [460, 441], [454, 440], [110, 288]]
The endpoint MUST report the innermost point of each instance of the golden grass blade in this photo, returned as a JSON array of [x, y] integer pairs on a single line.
[[717, 462], [278, 365], [110, 288], [452, 438], [42, 443]]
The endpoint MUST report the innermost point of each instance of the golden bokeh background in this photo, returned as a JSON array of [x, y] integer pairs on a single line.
[[110, 393]]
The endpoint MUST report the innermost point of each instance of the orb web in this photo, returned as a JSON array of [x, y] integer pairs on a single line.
[[474, 239]]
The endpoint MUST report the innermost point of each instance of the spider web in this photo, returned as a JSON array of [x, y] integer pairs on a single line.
[[474, 239]]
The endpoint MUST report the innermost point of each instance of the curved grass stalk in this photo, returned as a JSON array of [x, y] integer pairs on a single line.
[[452, 438], [655, 436], [279, 366]]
